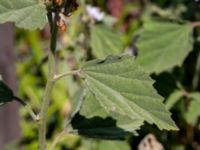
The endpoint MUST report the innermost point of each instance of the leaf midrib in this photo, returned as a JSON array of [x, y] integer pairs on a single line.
[[127, 106], [151, 118]]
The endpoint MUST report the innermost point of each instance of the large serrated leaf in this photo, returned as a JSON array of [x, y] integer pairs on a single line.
[[94, 121], [122, 87], [6, 94], [105, 41], [164, 45], [27, 14]]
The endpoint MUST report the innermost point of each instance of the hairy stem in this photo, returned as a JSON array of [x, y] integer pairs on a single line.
[[60, 76], [49, 85], [65, 130], [46, 102]]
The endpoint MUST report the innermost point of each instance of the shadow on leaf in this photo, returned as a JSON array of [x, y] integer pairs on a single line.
[[97, 127]]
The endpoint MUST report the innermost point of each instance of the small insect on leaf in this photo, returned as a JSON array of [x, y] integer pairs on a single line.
[[6, 94]]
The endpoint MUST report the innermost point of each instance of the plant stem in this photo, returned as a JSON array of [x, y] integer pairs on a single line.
[[50, 83], [196, 74], [64, 131], [83, 5], [61, 134], [54, 31], [57, 139], [60, 76], [46, 102], [28, 108]]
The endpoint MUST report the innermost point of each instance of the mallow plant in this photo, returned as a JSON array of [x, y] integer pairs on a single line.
[[117, 95]]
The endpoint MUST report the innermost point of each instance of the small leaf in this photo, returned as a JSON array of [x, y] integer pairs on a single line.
[[193, 112], [27, 14], [6, 94], [173, 99], [195, 96], [105, 41], [122, 87], [94, 121], [164, 45]]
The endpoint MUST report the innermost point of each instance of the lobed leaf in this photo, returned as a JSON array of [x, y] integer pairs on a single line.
[[27, 14], [122, 87], [164, 45], [105, 41]]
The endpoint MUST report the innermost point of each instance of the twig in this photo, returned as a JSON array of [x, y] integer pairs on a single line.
[[50, 83], [46, 102], [196, 74], [28, 108], [60, 76]]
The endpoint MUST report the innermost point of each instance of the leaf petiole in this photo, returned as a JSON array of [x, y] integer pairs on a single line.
[[28, 108], [60, 76]]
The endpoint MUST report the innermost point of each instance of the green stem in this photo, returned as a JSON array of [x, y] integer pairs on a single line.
[[46, 102], [49, 85], [196, 74], [57, 139], [83, 5], [54, 32], [68, 121], [27, 107], [50, 19], [60, 76]]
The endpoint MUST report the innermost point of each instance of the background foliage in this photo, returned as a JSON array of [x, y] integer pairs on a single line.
[[161, 34]]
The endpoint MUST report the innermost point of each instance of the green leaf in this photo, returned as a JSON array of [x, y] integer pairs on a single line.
[[195, 96], [193, 112], [89, 144], [105, 41], [122, 87], [173, 99], [27, 14], [113, 145], [93, 121], [6, 94], [164, 45]]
